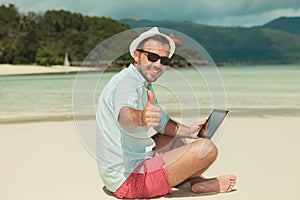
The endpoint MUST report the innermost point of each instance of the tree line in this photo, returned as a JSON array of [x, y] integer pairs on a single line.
[[45, 38]]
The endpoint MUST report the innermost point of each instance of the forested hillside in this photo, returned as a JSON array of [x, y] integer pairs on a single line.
[[45, 38], [287, 24], [277, 42]]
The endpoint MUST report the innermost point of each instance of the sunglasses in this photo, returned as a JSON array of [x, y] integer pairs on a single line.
[[153, 57]]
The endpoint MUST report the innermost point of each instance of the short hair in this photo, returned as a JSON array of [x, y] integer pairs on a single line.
[[161, 39]]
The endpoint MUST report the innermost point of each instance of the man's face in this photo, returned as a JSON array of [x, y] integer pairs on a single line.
[[151, 71]]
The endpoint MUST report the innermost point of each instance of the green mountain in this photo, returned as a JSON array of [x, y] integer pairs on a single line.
[[287, 24], [45, 38], [275, 42]]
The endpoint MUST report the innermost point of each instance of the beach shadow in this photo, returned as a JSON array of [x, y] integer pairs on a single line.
[[181, 191], [106, 191], [109, 193]]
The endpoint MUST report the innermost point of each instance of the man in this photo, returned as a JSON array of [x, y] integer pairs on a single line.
[[132, 162]]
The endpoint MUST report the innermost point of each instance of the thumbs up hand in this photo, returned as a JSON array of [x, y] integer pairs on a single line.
[[151, 113]]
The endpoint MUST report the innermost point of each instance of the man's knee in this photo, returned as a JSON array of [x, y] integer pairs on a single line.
[[206, 149]]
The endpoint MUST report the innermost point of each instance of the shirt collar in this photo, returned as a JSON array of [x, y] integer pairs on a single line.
[[141, 78]]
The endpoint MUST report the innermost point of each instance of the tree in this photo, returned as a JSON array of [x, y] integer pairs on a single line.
[[48, 56]]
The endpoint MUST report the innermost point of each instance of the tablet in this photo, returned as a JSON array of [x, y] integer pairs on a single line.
[[214, 121]]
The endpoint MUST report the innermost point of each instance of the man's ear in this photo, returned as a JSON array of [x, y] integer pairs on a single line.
[[136, 55]]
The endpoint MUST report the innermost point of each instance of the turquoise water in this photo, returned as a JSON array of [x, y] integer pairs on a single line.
[[262, 90]]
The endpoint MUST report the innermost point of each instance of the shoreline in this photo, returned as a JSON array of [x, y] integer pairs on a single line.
[[30, 69], [255, 112], [8, 69]]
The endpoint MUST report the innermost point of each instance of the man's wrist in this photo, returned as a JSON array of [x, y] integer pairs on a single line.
[[171, 128]]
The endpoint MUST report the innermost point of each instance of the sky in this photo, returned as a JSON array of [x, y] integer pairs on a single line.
[[228, 13]]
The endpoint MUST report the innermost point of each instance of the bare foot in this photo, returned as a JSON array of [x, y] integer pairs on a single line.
[[219, 184]]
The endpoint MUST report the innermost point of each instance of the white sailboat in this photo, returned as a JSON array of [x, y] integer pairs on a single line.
[[67, 62]]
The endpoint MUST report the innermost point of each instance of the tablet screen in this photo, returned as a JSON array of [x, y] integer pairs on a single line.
[[214, 120]]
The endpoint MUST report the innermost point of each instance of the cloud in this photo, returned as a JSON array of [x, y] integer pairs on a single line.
[[221, 12]]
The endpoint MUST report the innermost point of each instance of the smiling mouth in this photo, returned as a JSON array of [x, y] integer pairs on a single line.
[[154, 71]]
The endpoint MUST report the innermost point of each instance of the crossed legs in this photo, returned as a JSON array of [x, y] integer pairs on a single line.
[[189, 161]]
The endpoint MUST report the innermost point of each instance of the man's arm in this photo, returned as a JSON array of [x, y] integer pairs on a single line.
[[130, 118], [176, 129]]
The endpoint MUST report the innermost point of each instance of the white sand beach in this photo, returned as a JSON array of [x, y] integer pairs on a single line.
[[47, 161], [7, 69]]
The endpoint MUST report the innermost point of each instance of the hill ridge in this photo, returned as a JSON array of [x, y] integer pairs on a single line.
[[269, 43]]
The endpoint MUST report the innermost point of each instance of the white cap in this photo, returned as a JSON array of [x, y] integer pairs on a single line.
[[153, 31]]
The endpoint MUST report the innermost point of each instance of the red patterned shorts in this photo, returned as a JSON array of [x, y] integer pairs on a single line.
[[153, 182]]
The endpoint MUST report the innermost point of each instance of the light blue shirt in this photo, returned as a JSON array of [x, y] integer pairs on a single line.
[[120, 150]]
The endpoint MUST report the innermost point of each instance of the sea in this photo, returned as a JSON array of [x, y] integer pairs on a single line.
[[245, 90]]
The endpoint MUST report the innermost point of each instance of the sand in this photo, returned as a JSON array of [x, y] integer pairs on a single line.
[[7, 69], [46, 160]]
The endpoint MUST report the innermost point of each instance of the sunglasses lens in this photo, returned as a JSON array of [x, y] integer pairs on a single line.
[[165, 61], [153, 57]]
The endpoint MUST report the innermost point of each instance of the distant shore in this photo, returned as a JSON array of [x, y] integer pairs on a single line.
[[23, 69], [27, 69], [8, 69]]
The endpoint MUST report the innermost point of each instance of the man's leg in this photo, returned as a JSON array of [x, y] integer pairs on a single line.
[[186, 161], [166, 143], [190, 161]]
